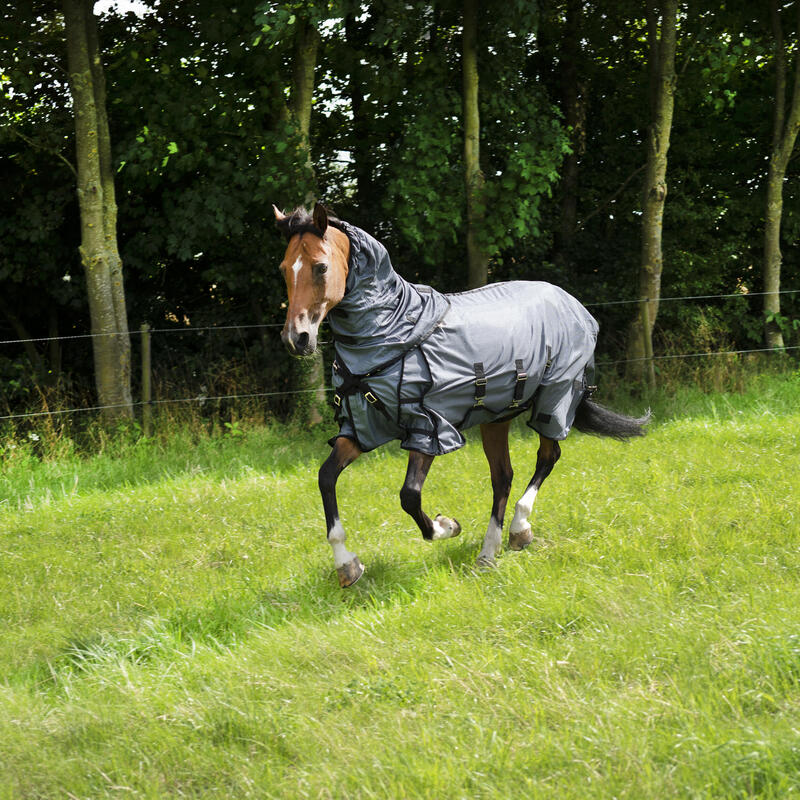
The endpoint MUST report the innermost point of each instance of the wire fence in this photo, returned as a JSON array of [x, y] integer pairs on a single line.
[[191, 329], [201, 398], [140, 403]]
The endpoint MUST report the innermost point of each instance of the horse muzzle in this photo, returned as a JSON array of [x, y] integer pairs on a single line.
[[299, 343]]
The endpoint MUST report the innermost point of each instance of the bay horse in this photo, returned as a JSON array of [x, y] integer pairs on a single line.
[[421, 366]]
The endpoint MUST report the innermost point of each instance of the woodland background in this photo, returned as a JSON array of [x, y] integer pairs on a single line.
[[217, 112]]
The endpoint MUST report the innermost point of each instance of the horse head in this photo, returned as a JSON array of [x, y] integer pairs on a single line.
[[314, 267]]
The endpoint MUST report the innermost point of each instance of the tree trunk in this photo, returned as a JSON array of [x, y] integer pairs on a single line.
[[477, 260], [784, 135], [304, 64], [662, 97], [308, 373], [98, 213]]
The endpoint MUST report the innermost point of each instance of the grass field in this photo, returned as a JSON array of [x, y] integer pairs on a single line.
[[172, 625]]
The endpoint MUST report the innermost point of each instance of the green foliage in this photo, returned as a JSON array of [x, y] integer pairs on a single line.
[[198, 100]]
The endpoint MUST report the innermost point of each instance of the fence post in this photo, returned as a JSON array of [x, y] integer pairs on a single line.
[[648, 344], [147, 384]]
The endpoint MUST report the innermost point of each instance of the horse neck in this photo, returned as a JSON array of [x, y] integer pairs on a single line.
[[370, 307]]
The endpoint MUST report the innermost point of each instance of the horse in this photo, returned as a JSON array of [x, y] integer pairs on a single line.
[[417, 365]]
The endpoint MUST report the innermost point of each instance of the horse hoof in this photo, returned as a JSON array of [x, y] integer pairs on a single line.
[[350, 572], [445, 528], [519, 541], [484, 563]]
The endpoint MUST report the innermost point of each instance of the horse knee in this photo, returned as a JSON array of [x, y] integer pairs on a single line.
[[548, 454], [410, 499]]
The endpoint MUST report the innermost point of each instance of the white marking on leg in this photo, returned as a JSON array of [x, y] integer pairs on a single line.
[[523, 510], [491, 542], [336, 538]]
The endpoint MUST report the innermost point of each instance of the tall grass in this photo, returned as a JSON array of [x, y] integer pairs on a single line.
[[172, 624]]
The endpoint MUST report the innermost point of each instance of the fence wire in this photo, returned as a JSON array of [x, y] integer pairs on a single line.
[[205, 399], [135, 331], [139, 403]]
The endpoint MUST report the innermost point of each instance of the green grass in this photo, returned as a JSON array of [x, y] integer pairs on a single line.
[[172, 626]]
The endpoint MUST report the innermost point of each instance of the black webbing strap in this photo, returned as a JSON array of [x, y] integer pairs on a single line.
[[354, 384], [480, 384], [519, 386]]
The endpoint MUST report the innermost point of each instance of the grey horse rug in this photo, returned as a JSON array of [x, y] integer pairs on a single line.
[[420, 366]]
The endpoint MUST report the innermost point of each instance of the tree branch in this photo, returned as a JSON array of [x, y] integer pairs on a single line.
[[38, 146], [609, 200]]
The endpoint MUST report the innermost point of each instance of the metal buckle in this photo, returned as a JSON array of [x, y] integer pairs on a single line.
[[337, 401], [370, 398], [478, 401], [480, 381], [522, 376]]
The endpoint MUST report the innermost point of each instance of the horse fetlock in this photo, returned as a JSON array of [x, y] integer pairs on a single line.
[[445, 528], [350, 572]]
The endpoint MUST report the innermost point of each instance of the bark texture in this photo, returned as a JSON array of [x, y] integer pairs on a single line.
[[784, 134], [304, 64], [308, 373], [662, 39], [477, 260], [98, 212]]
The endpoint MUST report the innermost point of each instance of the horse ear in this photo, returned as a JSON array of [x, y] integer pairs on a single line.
[[279, 215], [320, 217]]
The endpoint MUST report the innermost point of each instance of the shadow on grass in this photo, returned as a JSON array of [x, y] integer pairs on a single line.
[[223, 622]]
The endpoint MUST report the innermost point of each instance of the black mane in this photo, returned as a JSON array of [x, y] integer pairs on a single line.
[[300, 221]]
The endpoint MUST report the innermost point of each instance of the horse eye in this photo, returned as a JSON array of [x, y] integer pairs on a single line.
[[320, 269]]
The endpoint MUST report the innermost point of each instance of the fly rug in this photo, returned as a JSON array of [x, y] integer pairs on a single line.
[[420, 366]]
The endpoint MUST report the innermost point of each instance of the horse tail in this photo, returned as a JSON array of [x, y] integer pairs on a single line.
[[597, 420]]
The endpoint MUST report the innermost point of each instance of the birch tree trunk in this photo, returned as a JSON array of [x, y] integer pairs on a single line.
[[477, 260], [784, 135], [98, 213], [662, 40]]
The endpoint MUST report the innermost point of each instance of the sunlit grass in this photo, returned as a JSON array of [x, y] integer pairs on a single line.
[[172, 624]]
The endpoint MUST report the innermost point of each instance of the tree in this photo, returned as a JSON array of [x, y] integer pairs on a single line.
[[309, 373], [477, 258], [662, 41], [784, 134], [98, 212]]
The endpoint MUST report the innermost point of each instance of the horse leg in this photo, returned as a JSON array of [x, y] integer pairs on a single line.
[[495, 446], [520, 534], [411, 499], [344, 452]]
